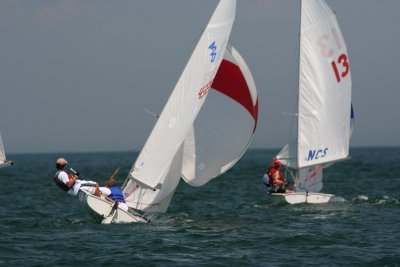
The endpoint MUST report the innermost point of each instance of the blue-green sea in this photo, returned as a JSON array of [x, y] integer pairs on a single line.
[[227, 222]]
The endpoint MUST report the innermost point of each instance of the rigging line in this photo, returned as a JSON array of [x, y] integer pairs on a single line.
[[314, 172], [307, 187], [293, 68], [202, 124], [295, 65], [132, 191], [133, 212], [179, 64], [315, 183], [113, 210], [116, 171], [287, 170], [212, 131], [142, 203], [151, 113]]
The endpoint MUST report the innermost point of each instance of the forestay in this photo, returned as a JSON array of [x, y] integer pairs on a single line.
[[160, 157]]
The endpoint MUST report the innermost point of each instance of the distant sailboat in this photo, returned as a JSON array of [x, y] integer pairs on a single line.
[[324, 105], [3, 161], [190, 140]]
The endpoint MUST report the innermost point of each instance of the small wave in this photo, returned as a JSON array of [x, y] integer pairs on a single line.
[[386, 200], [336, 199], [361, 198], [257, 206], [379, 200], [169, 219]]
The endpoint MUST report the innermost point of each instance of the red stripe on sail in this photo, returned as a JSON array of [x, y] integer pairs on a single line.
[[231, 82], [255, 115]]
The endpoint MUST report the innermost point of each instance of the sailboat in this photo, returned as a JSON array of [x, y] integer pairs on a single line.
[[193, 139], [324, 116], [3, 161]]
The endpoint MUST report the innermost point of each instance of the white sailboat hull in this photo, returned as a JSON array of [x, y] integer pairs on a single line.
[[7, 163], [300, 197], [102, 210]]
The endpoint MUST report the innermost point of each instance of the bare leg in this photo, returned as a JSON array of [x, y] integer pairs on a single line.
[[97, 192]]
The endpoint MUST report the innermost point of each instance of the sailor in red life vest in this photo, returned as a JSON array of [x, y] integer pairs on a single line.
[[277, 181], [113, 193], [69, 182]]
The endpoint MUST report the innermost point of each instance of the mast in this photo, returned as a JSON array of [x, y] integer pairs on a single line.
[[298, 86]]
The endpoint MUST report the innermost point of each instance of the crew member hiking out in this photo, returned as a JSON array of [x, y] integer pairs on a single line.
[[70, 182], [113, 193]]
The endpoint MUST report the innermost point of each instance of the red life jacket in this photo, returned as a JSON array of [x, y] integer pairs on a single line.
[[271, 173]]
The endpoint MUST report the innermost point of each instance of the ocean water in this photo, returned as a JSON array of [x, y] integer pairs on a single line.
[[227, 222]]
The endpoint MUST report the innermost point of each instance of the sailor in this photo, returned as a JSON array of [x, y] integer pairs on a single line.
[[70, 182], [113, 193], [277, 181]]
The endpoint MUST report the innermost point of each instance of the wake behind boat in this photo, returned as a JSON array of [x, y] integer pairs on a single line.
[[324, 116]]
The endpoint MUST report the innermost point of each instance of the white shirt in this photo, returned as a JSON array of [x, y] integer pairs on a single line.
[[63, 176], [73, 191], [105, 191]]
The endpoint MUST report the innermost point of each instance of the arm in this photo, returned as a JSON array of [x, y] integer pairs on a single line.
[[106, 192], [109, 199], [63, 176], [97, 191], [277, 181], [70, 183]]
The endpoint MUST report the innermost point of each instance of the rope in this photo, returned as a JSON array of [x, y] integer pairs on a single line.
[[116, 171]]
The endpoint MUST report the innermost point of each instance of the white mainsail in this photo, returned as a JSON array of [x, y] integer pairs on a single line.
[[224, 127], [3, 161], [324, 104], [157, 170], [2, 153]]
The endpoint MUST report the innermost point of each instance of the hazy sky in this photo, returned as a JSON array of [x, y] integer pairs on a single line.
[[76, 75]]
